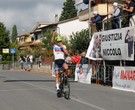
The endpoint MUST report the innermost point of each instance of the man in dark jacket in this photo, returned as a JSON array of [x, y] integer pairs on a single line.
[[130, 9], [97, 21]]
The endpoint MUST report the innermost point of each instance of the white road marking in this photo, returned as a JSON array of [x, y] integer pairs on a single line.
[[6, 90], [73, 98]]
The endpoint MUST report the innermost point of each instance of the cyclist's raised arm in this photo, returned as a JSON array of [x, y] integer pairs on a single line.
[[53, 37]]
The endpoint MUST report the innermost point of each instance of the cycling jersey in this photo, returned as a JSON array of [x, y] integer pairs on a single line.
[[58, 52]]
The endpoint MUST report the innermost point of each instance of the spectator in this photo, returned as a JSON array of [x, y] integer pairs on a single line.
[[84, 60], [25, 62], [76, 58], [31, 61], [97, 21], [39, 61], [21, 61], [28, 63], [68, 59], [130, 9], [116, 16]]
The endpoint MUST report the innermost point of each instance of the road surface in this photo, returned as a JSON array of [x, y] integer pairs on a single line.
[[20, 90]]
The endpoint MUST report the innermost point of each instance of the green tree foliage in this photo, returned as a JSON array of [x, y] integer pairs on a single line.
[[66, 43], [14, 34], [69, 10], [80, 41], [47, 40], [47, 43], [4, 37]]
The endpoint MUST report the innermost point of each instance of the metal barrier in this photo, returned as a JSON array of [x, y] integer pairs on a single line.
[[102, 74], [72, 70], [107, 24]]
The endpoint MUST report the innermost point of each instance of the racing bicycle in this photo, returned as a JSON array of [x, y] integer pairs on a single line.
[[64, 84]]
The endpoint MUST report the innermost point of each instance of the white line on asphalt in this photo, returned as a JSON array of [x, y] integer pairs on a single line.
[[16, 90], [73, 98]]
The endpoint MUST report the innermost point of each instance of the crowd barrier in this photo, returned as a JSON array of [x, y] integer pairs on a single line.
[[100, 74]]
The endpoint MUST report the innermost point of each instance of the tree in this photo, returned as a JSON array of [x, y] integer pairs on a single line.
[[47, 43], [80, 41], [4, 37], [14, 34], [69, 10]]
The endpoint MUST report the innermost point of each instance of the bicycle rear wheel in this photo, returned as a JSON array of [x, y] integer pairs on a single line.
[[66, 88]]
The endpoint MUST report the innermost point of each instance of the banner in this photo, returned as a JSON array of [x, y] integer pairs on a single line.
[[53, 72], [115, 44], [5, 51], [83, 73], [124, 78], [94, 49]]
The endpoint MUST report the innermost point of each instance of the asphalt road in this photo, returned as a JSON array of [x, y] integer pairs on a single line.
[[21, 90]]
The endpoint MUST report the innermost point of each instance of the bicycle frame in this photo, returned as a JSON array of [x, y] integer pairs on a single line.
[[64, 84]]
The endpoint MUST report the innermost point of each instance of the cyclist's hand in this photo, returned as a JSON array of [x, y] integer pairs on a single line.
[[62, 46], [54, 33]]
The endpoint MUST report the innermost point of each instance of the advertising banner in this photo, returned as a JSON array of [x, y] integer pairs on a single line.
[[53, 72], [5, 51], [124, 78], [83, 73], [115, 44]]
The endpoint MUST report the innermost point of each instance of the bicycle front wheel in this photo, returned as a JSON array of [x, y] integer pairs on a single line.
[[66, 88]]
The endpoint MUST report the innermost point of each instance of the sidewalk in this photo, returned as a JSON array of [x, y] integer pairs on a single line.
[[45, 69]]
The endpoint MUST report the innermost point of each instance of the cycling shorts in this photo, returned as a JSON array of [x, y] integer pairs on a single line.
[[58, 64]]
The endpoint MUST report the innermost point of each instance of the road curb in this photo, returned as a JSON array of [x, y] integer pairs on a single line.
[[33, 71]]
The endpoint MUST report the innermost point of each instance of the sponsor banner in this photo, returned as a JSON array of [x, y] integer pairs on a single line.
[[94, 49], [124, 78], [117, 52], [115, 44], [5, 51], [83, 73], [53, 72]]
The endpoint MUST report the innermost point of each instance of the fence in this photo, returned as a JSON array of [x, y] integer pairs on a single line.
[[101, 74], [123, 22]]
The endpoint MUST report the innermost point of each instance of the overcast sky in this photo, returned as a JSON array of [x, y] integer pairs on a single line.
[[26, 13]]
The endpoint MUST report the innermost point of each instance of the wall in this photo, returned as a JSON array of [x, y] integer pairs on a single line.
[[67, 28]]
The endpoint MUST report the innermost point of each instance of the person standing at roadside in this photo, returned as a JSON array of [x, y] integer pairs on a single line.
[[31, 61], [39, 61], [130, 9], [116, 16], [97, 20], [21, 62]]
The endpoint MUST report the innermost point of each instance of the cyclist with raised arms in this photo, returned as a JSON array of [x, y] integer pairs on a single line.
[[58, 50]]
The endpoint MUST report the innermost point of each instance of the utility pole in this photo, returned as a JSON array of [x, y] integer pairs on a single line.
[[89, 18]]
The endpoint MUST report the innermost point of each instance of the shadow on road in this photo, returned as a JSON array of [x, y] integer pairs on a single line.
[[29, 81], [71, 81]]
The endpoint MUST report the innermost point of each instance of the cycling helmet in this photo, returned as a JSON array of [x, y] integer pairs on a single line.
[[58, 38]]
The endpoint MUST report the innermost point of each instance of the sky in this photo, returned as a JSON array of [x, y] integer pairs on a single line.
[[26, 13]]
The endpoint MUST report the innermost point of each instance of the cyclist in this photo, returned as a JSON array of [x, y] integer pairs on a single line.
[[58, 50]]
